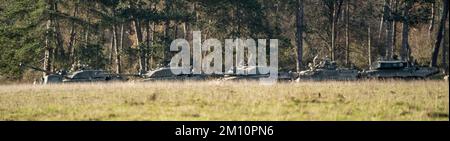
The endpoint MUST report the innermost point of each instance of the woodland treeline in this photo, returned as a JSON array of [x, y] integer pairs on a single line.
[[133, 36]]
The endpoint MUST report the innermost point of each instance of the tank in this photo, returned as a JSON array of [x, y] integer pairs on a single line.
[[398, 69], [165, 74], [77, 76], [92, 76], [247, 76], [327, 70]]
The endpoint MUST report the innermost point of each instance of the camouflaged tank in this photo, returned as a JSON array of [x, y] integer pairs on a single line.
[[327, 70], [398, 69], [254, 73], [92, 76], [166, 74], [246, 74], [78, 76]]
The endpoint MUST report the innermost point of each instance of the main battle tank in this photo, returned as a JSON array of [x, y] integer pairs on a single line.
[[166, 74], [77, 76], [248, 76], [398, 69], [327, 70], [92, 76]]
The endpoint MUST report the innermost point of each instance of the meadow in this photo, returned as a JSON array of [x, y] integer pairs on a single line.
[[389, 100]]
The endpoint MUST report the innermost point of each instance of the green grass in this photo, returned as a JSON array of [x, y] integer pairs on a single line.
[[358, 100]]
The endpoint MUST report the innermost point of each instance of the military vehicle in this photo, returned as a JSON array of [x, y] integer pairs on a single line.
[[247, 75], [327, 70], [78, 76], [166, 74], [397, 69]]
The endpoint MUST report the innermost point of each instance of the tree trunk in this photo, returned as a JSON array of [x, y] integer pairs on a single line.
[[139, 37], [439, 35], [177, 24], [433, 16], [121, 39], [166, 59], [369, 47], [150, 45], [111, 49], [238, 20], [59, 52], [87, 29], [336, 10], [116, 50], [185, 28], [444, 54], [300, 22], [113, 42], [394, 31], [277, 18], [406, 51], [73, 34], [394, 39], [347, 38], [389, 21], [333, 30], [383, 19], [48, 50], [431, 26], [369, 44]]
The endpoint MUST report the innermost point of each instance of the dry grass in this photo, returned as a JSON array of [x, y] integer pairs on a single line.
[[359, 100]]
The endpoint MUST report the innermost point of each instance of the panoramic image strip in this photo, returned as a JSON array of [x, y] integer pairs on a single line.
[[224, 60]]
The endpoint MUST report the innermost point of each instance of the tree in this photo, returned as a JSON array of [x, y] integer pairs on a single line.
[[73, 34], [389, 28], [393, 39], [369, 44], [132, 35], [300, 22], [48, 36], [335, 7], [406, 50], [347, 34], [445, 55], [440, 34]]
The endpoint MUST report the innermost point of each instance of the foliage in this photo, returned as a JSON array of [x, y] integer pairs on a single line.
[[23, 29]]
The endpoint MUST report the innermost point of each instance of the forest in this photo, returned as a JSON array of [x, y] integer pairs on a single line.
[[134, 36]]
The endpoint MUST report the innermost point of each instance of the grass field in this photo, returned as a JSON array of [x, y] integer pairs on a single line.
[[358, 100]]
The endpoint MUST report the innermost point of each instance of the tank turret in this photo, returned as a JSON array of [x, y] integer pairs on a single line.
[[398, 69], [63, 76], [327, 70]]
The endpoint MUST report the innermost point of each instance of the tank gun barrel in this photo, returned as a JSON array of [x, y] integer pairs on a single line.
[[21, 65]]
